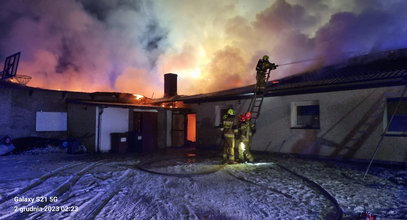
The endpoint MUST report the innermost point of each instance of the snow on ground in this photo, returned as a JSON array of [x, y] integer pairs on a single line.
[[174, 186]]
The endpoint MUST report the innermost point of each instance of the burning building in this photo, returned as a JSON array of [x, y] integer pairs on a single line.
[[341, 111], [101, 120]]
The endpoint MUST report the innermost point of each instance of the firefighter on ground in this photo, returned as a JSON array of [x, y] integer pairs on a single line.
[[263, 68], [229, 130], [246, 129]]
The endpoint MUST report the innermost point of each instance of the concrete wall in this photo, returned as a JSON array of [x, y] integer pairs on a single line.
[[20, 112], [161, 129], [82, 124], [5, 112], [18, 107], [342, 115]]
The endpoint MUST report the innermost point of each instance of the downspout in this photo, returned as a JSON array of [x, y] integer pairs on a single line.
[[99, 125]]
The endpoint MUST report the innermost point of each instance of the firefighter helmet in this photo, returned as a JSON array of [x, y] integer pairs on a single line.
[[248, 115], [231, 112], [242, 118], [265, 57]]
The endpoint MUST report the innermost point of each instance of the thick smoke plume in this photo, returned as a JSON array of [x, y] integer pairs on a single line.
[[127, 45]]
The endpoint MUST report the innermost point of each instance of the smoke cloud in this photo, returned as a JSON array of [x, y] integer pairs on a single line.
[[127, 45]]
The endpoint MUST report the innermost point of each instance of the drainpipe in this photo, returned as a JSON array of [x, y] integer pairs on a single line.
[[99, 123]]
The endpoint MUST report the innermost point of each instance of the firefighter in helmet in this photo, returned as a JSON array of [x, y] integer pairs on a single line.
[[263, 68], [246, 129], [229, 130]]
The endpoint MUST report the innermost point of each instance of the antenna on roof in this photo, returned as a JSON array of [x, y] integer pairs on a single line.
[[10, 70]]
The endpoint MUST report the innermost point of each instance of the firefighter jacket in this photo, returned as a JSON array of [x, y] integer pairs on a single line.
[[264, 65], [229, 127], [246, 130]]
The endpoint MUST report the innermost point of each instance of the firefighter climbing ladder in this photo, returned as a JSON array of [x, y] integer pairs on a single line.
[[257, 101]]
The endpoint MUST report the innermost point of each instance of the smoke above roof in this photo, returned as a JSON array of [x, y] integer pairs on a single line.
[[127, 45]]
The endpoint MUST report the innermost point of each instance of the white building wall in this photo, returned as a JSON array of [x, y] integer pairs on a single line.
[[113, 120], [340, 112]]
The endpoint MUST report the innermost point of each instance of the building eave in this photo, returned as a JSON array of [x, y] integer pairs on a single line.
[[248, 93]]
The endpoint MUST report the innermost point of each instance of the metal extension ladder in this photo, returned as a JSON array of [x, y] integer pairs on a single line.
[[257, 101]]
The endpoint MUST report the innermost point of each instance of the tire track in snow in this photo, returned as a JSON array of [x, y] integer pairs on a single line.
[[56, 193], [337, 213], [142, 167], [38, 181], [260, 185], [166, 207], [94, 206], [87, 190], [142, 204]]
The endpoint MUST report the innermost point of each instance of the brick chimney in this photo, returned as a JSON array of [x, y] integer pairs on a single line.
[[170, 85]]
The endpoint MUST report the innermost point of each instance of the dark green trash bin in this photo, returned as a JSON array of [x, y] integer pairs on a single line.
[[119, 142]]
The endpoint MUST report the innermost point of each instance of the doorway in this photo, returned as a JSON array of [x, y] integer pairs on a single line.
[[191, 128], [143, 132], [178, 130]]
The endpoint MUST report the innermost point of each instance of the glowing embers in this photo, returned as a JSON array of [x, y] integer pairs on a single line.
[[138, 97], [20, 79], [175, 104], [191, 158]]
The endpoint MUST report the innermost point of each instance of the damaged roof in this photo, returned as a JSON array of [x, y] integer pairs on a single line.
[[387, 68]]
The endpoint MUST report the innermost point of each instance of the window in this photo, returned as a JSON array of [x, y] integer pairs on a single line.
[[305, 115], [398, 125]]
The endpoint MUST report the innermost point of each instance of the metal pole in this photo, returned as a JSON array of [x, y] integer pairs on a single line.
[[385, 130]]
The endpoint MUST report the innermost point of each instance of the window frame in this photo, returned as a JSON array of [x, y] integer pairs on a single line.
[[294, 114], [386, 119]]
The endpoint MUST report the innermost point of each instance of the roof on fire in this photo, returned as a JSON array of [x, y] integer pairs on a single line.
[[382, 69]]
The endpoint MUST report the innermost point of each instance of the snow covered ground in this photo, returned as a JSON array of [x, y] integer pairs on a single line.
[[181, 186]]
